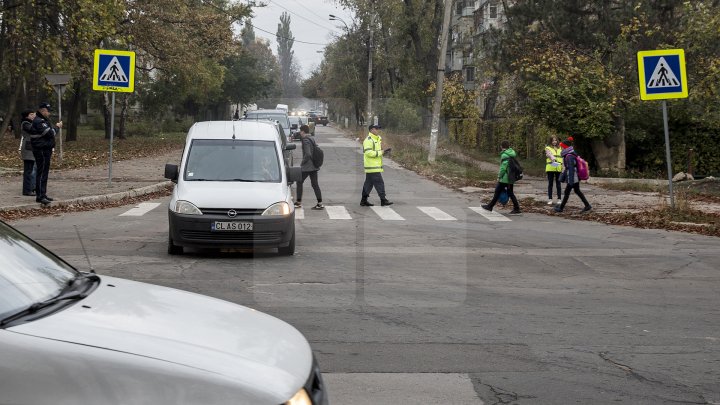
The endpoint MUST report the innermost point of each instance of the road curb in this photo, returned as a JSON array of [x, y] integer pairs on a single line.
[[94, 199]]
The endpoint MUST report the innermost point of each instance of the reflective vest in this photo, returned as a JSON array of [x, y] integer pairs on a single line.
[[372, 154], [558, 158]]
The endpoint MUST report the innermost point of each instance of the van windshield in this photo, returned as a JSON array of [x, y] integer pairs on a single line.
[[232, 160]]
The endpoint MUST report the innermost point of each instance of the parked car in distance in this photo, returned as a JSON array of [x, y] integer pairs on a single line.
[[317, 118], [305, 121], [295, 123], [71, 337], [273, 115], [232, 189]]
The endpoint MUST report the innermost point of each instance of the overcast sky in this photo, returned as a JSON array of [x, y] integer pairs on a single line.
[[309, 24]]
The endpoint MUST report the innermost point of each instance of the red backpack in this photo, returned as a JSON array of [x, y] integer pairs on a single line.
[[583, 171]]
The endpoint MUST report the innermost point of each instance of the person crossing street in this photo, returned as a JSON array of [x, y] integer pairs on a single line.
[[373, 163]]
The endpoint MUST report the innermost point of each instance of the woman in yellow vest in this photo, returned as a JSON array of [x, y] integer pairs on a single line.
[[553, 167]]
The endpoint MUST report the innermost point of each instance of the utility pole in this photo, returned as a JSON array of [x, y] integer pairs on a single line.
[[368, 108], [439, 82]]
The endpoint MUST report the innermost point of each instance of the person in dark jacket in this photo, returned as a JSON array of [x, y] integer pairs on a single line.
[[570, 176], [26, 152], [43, 142], [308, 169], [504, 181]]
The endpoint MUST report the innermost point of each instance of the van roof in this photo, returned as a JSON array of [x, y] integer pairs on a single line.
[[245, 130]]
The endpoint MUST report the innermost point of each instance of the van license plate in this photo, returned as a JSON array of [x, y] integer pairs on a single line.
[[231, 226]]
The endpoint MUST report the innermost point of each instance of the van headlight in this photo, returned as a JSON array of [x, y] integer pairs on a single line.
[[186, 207], [300, 398], [281, 208]]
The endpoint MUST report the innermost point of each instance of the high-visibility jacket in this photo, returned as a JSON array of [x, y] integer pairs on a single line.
[[372, 153], [556, 152]]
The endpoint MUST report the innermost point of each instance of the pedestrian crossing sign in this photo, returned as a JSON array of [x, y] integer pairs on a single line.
[[662, 74], [114, 71]]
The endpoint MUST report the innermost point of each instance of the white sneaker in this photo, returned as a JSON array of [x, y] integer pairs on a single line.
[[550, 202], [559, 202]]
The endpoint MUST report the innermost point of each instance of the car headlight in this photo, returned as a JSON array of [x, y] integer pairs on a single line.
[[280, 208], [300, 398], [186, 207]]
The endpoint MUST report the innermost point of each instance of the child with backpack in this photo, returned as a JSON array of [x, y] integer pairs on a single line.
[[572, 174], [510, 171]]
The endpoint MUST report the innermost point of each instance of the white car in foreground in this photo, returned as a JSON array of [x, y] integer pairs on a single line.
[[68, 337]]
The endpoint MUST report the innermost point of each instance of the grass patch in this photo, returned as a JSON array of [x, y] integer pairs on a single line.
[[446, 169], [92, 148], [702, 190]]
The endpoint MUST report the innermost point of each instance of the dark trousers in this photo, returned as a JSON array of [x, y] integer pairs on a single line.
[[373, 180], [554, 176], [576, 188], [28, 176], [42, 162], [499, 189], [313, 182]]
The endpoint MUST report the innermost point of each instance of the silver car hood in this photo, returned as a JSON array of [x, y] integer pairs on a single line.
[[186, 329]]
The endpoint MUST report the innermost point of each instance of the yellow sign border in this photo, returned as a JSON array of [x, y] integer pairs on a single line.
[[96, 71], [641, 74]]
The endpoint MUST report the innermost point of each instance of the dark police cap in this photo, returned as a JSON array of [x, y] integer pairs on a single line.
[[374, 127], [44, 105]]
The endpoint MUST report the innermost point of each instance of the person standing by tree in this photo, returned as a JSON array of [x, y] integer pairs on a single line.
[[504, 180], [570, 176], [553, 167], [308, 169], [373, 162], [26, 152], [43, 142]]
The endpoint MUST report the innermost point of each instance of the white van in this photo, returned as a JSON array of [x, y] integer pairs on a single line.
[[283, 107], [233, 188]]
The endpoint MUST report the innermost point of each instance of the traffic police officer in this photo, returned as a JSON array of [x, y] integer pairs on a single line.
[[372, 160]]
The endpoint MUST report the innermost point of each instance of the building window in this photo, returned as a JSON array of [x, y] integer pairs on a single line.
[[470, 74], [459, 7], [493, 11]]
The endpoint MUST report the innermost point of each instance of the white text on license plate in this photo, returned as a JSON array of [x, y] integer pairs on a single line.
[[231, 226]]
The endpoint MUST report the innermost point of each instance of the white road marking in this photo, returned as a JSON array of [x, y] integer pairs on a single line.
[[490, 215], [401, 388], [337, 212], [387, 214], [299, 213], [140, 210], [437, 214]]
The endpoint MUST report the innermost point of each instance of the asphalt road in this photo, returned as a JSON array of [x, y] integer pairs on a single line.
[[408, 305]]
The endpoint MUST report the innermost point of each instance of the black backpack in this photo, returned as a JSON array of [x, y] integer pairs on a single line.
[[515, 171], [317, 154]]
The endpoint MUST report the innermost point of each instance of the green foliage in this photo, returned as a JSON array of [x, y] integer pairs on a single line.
[[463, 131], [399, 114]]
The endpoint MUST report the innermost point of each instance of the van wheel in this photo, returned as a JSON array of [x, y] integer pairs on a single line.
[[288, 250], [174, 249]]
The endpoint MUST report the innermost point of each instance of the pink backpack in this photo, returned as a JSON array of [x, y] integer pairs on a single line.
[[583, 171]]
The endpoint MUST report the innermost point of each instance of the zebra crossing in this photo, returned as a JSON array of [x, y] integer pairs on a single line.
[[341, 213]]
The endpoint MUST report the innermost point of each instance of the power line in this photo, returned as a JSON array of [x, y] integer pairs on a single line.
[[258, 28], [298, 15]]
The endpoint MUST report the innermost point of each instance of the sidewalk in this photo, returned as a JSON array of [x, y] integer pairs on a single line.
[[130, 178]]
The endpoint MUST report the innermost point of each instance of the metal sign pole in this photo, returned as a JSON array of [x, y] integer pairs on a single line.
[[112, 131], [667, 153], [59, 91]]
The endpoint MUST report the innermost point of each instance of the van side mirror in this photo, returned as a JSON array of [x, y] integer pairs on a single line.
[[290, 146], [294, 174], [171, 172]]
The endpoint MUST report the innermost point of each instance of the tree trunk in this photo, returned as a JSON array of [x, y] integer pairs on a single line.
[[610, 152], [12, 102], [74, 111], [106, 113], [124, 102]]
